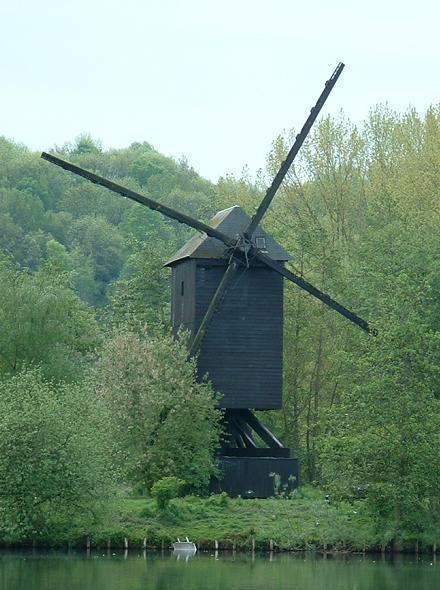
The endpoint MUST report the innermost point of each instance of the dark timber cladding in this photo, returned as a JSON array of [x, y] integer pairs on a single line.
[[242, 349], [183, 296]]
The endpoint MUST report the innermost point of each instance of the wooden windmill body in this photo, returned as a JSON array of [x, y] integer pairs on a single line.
[[227, 291], [241, 352]]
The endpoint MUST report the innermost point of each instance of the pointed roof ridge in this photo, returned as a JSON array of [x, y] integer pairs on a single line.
[[231, 221]]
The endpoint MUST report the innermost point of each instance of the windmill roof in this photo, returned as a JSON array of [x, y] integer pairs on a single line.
[[232, 222]]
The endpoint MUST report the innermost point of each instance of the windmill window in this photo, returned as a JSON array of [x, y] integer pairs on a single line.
[[260, 243], [182, 288]]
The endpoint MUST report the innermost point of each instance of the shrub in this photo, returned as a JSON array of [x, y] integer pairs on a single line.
[[165, 423], [54, 464], [165, 490]]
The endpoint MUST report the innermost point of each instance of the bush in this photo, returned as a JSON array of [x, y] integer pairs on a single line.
[[221, 499], [165, 423], [53, 456], [165, 490]]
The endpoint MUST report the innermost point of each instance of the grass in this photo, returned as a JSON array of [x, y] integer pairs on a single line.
[[308, 520]]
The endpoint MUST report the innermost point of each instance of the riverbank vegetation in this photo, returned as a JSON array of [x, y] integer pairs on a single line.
[[307, 521], [98, 401]]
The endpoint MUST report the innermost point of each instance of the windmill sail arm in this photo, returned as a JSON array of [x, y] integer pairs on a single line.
[[350, 315], [142, 199], [300, 138]]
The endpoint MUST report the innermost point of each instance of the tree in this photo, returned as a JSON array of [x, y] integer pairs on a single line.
[[40, 202], [141, 296], [44, 322], [54, 458], [384, 434], [316, 216], [359, 212], [165, 423], [102, 244], [85, 144]]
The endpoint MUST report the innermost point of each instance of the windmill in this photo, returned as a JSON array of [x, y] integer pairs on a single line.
[[227, 290]]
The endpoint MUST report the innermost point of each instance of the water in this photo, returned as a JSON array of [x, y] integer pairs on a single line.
[[139, 571]]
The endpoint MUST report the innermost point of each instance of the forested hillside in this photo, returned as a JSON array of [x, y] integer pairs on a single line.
[[81, 279]]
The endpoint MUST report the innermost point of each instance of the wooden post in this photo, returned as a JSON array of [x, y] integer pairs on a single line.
[[144, 543], [233, 547], [253, 545], [125, 543], [216, 544], [271, 545]]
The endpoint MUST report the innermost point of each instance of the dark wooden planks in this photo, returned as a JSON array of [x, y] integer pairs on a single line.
[[242, 349]]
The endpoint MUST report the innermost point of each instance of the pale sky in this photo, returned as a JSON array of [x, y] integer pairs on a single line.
[[214, 81]]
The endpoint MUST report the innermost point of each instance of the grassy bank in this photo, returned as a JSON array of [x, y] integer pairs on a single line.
[[309, 521], [304, 523]]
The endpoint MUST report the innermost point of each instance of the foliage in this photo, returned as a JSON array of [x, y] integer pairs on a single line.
[[360, 214], [40, 203], [54, 463], [166, 423], [44, 321], [166, 489], [142, 294], [380, 441]]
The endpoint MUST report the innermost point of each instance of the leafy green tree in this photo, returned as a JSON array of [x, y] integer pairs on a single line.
[[141, 295], [85, 144], [57, 224], [312, 216], [24, 208], [382, 432], [238, 191], [102, 244], [39, 202], [43, 321], [148, 165], [11, 235], [58, 257], [166, 424], [54, 459], [359, 214], [385, 435], [33, 249]]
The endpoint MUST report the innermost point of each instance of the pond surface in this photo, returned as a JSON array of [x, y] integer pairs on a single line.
[[205, 571]]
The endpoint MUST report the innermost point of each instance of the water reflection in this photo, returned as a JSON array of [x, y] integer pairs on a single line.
[[142, 570], [184, 554]]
